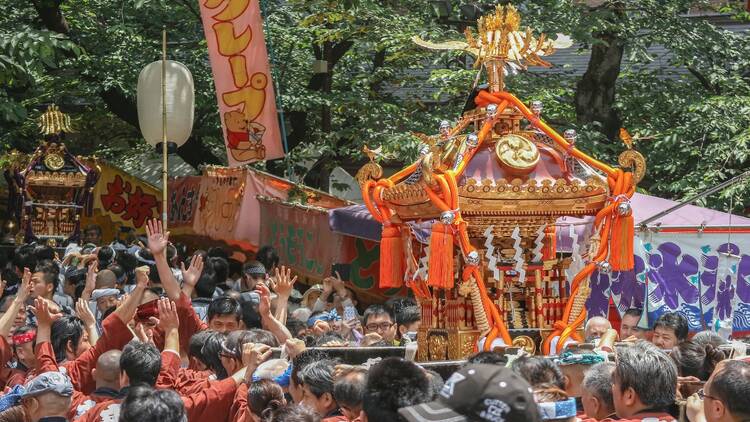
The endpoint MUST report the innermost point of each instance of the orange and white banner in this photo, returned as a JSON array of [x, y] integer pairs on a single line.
[[239, 60]]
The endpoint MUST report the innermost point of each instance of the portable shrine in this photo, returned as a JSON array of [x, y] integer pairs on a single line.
[[51, 188], [493, 184]]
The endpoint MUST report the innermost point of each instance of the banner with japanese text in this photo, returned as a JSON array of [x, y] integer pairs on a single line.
[[301, 237], [222, 193], [704, 276], [244, 90], [184, 194], [121, 200]]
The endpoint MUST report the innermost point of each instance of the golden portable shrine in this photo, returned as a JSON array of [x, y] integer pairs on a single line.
[[50, 189], [494, 184]]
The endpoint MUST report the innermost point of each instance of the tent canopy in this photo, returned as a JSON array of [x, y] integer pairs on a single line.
[[356, 221]]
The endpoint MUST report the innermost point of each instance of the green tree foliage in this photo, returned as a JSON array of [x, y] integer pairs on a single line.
[[691, 124]]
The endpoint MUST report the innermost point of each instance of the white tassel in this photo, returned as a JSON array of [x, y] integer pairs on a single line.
[[518, 256], [489, 234], [538, 244]]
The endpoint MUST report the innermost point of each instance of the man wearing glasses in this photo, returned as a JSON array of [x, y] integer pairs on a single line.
[[643, 383], [379, 320], [724, 398]]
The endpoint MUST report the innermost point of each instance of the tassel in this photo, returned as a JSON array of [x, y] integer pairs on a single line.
[[440, 272], [621, 243], [391, 258]]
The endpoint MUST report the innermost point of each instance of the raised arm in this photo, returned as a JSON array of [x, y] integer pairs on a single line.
[[191, 275], [126, 310], [6, 321], [283, 283], [170, 324], [89, 321], [88, 288], [44, 352], [157, 244], [268, 321]]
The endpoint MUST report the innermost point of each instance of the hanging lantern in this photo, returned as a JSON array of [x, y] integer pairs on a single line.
[[180, 102]]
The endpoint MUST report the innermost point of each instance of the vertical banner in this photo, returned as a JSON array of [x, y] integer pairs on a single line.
[[184, 194], [222, 193], [242, 75]]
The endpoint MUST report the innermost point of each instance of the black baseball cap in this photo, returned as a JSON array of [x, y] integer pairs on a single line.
[[479, 392]]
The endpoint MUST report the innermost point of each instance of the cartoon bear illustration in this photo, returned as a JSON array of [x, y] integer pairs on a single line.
[[245, 138]]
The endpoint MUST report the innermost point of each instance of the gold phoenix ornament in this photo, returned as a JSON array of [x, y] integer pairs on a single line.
[[501, 47], [53, 121]]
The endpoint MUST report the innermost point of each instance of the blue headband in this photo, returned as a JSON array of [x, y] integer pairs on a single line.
[[282, 380], [558, 409], [325, 316]]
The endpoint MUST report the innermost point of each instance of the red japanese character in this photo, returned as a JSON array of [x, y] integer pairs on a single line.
[[139, 207], [113, 200]]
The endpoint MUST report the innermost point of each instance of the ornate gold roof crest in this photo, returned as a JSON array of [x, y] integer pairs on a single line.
[[501, 47], [53, 121]]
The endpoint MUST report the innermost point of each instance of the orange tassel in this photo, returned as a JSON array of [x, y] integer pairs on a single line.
[[440, 271], [621, 249], [391, 258]]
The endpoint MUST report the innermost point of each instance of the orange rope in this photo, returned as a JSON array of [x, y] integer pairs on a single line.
[[403, 173], [368, 197], [485, 98]]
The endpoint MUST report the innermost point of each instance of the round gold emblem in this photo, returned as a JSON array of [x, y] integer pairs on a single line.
[[526, 342], [54, 161], [517, 154]]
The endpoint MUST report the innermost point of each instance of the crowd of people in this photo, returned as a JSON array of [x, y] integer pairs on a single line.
[[139, 331]]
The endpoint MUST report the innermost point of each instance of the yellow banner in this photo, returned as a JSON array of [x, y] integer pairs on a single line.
[[121, 200]]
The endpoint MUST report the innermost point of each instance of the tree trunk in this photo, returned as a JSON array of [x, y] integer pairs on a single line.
[[51, 16], [595, 95], [298, 119]]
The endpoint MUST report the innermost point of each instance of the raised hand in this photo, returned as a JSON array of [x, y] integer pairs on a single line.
[[84, 312], [141, 276], [320, 328], [143, 333], [168, 319], [283, 282], [192, 274], [45, 316], [265, 300], [93, 267], [294, 347], [339, 286], [24, 290], [157, 239], [327, 286], [253, 354]]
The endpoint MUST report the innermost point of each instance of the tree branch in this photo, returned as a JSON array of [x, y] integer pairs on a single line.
[[703, 80], [192, 10]]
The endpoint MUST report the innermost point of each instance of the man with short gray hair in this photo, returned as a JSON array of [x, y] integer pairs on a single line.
[[595, 328], [643, 383], [596, 393]]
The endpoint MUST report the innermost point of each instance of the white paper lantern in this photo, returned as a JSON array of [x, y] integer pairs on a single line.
[[180, 101]]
